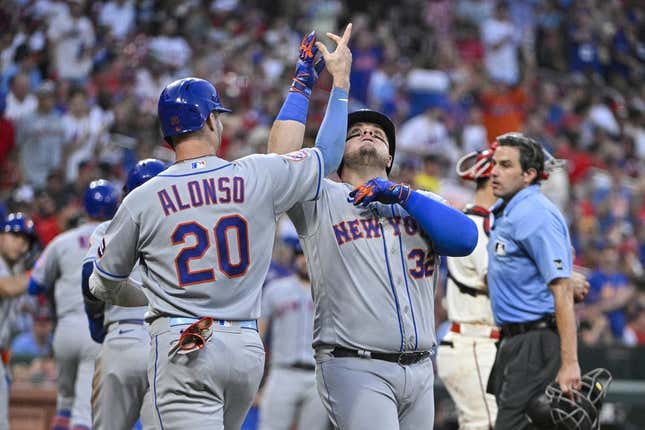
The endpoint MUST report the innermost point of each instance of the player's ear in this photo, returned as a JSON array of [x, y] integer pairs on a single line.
[[211, 121]]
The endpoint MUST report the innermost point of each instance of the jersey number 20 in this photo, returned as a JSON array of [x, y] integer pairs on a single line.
[[235, 223]]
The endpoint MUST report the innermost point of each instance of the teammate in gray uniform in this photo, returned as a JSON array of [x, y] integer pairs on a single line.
[[289, 393], [59, 267], [466, 354], [120, 376], [372, 254], [16, 236], [192, 228]]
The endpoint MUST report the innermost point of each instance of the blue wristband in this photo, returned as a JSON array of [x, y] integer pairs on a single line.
[[294, 108]]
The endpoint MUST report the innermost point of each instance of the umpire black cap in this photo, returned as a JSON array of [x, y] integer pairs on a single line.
[[380, 119]]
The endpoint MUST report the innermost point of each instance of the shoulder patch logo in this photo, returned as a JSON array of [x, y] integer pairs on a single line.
[[500, 248], [558, 263], [296, 155]]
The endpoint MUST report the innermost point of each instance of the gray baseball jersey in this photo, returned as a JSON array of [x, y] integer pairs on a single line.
[[290, 308], [60, 267], [6, 316], [470, 271], [6, 308], [114, 313], [372, 273], [204, 230]]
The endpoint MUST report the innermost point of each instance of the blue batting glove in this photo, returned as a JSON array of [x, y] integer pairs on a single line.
[[380, 190], [308, 69]]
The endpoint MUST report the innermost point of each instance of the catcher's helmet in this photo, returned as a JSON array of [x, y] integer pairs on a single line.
[[380, 119], [141, 172], [184, 106], [101, 199], [554, 410], [477, 164], [19, 223]]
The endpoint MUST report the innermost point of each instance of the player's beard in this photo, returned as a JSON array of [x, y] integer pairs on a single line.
[[366, 156], [303, 275]]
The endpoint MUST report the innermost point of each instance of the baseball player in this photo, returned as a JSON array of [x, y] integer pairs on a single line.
[[203, 231], [16, 237], [289, 392], [120, 376], [372, 249], [59, 267], [466, 354]]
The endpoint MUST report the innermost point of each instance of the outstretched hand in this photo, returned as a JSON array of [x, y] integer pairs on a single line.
[[380, 190], [339, 61]]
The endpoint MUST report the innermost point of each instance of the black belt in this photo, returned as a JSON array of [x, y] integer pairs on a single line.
[[465, 289], [513, 329], [302, 366], [403, 358]]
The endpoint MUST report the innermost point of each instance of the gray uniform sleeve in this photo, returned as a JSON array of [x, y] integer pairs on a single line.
[[295, 177], [47, 270], [117, 253], [95, 242]]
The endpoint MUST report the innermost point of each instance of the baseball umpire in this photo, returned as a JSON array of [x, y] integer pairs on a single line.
[[203, 231], [531, 292], [372, 249], [120, 380], [466, 354], [59, 267], [17, 235]]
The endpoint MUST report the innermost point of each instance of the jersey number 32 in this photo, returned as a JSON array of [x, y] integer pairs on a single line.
[[232, 266]]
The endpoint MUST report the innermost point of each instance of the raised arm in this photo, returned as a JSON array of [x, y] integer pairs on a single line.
[[287, 132]]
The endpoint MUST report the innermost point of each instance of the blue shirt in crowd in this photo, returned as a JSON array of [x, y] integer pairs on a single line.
[[604, 285], [529, 247]]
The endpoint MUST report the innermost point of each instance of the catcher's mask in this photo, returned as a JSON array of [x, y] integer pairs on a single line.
[[477, 164], [553, 410]]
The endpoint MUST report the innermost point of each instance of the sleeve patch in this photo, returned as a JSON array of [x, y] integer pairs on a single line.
[[296, 155]]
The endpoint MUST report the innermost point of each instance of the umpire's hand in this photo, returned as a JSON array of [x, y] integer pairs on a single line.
[[339, 61], [569, 378], [580, 286]]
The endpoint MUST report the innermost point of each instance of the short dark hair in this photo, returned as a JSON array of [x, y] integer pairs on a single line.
[[481, 182], [175, 140], [531, 153]]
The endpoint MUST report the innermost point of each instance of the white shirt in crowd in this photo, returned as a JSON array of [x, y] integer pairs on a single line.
[[17, 109], [119, 17], [73, 40], [502, 64]]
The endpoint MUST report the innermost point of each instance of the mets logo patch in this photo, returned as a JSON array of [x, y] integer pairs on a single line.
[[296, 155]]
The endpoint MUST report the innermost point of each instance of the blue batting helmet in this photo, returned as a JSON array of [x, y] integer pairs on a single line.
[[101, 199], [184, 106], [19, 223], [142, 171]]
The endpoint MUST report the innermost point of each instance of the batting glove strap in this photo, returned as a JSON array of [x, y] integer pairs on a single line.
[[308, 68], [380, 190]]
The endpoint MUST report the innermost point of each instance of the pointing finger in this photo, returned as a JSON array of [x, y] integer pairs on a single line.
[[336, 38], [347, 33], [322, 48]]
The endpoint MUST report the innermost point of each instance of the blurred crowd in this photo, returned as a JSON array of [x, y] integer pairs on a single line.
[[79, 83]]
